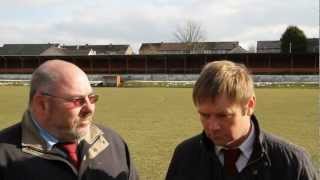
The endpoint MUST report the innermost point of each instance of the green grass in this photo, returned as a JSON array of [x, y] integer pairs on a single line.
[[154, 120]]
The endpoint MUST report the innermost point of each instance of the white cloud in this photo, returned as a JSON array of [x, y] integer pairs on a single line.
[[31, 3], [134, 22]]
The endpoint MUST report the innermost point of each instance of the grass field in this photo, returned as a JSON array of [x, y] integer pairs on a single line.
[[154, 120]]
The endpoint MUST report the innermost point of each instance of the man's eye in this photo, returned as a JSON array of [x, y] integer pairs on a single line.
[[221, 115], [205, 115], [224, 116], [77, 100]]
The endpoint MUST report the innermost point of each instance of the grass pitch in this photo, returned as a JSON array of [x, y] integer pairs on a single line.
[[154, 120]]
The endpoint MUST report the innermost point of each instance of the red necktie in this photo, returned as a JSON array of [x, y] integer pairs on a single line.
[[230, 158], [71, 150]]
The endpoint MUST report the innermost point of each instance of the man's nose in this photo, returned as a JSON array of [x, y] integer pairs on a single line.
[[88, 107], [213, 124]]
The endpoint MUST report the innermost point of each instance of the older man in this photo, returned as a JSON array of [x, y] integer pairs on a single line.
[[232, 145], [56, 139]]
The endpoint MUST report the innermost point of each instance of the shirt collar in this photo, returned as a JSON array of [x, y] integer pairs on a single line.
[[247, 145], [46, 136]]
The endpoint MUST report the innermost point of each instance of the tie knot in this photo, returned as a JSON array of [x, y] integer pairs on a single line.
[[231, 154], [70, 147]]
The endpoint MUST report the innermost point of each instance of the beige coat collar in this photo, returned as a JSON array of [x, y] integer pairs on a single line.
[[33, 143]]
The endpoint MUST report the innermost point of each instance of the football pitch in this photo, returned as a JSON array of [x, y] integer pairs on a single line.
[[154, 120]]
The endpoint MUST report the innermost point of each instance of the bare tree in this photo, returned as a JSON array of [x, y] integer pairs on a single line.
[[191, 31]]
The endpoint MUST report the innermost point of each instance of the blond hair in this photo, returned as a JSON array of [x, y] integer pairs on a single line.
[[223, 78]]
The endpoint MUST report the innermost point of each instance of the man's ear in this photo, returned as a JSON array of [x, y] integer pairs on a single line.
[[251, 105], [39, 105]]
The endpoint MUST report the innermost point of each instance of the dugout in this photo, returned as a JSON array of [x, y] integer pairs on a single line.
[[112, 80]]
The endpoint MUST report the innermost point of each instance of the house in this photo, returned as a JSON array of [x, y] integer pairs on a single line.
[[275, 46], [268, 47], [63, 50], [110, 49], [60, 51], [25, 49], [189, 48], [313, 45], [238, 50]]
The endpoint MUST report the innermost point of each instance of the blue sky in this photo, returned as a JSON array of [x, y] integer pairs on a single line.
[[135, 22]]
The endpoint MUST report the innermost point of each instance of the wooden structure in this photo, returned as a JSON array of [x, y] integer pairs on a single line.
[[112, 80], [169, 64]]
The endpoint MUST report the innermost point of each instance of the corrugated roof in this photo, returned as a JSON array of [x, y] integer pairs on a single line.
[[99, 49], [268, 44], [58, 51], [238, 50], [313, 45], [149, 46], [174, 46], [25, 49], [275, 46]]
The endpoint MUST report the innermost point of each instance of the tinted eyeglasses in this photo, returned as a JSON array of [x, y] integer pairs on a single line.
[[76, 101]]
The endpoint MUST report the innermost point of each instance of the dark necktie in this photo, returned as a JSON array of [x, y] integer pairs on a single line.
[[71, 149], [230, 158]]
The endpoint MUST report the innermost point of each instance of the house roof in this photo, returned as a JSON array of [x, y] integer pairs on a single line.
[[53, 51], [58, 51], [268, 44], [238, 50], [173, 46], [99, 49], [25, 49], [312, 45], [150, 46], [313, 41], [221, 45]]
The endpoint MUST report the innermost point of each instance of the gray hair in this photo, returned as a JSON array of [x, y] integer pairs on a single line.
[[42, 80]]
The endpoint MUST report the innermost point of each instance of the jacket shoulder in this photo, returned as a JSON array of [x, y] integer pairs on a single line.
[[286, 155], [110, 133], [118, 150], [11, 134], [274, 143], [191, 144], [114, 139], [190, 160], [189, 149]]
